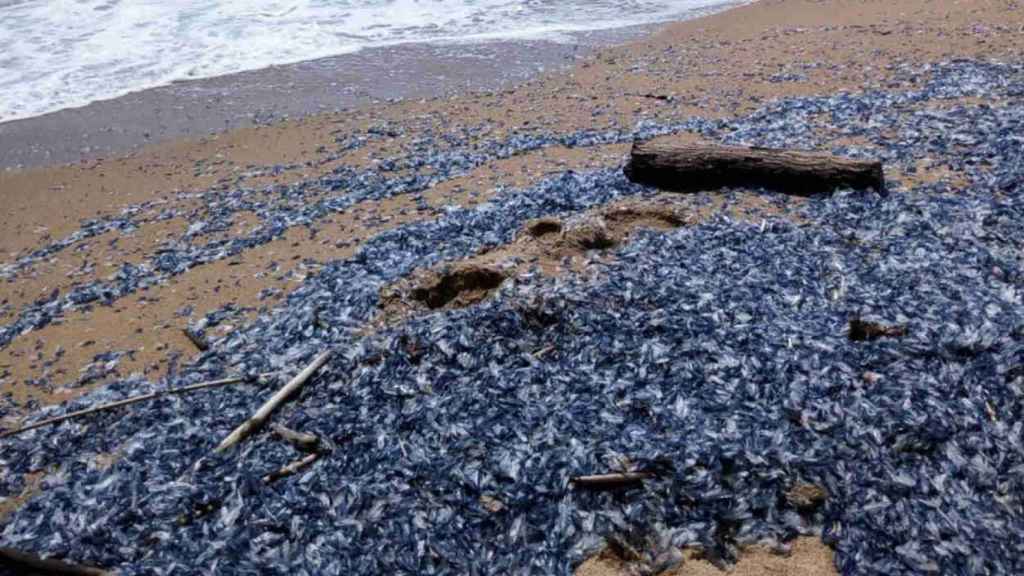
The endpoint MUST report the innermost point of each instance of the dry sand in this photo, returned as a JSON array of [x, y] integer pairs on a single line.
[[807, 557], [720, 65]]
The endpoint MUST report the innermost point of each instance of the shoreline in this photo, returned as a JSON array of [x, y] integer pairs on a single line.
[[266, 97], [207, 107]]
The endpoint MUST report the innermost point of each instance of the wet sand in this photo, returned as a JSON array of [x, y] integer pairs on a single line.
[[203, 107], [721, 65], [269, 96]]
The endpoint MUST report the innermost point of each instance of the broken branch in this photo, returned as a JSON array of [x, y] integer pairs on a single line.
[[610, 481], [132, 400], [301, 440], [261, 415], [291, 468]]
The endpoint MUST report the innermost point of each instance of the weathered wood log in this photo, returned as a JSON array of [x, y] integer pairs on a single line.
[[261, 415], [30, 564], [688, 167]]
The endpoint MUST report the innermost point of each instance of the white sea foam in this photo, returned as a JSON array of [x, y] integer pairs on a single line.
[[57, 54]]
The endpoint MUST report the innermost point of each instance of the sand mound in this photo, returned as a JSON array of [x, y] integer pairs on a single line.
[[460, 286], [551, 245]]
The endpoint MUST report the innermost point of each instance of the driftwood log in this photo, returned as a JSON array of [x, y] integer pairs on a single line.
[[25, 563], [688, 167]]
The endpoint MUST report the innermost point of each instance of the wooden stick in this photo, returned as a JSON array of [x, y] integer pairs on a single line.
[[268, 407], [35, 565], [673, 165], [862, 330], [663, 97], [127, 401], [292, 468], [610, 481], [301, 440], [543, 351]]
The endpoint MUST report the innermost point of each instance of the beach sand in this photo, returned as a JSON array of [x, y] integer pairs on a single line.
[[717, 66]]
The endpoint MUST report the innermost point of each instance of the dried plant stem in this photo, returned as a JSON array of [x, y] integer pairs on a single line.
[[292, 468], [301, 440], [610, 481], [261, 415], [128, 401]]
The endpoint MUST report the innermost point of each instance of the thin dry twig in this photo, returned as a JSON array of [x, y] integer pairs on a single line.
[[256, 420], [544, 351], [292, 468], [610, 481], [301, 440], [132, 400]]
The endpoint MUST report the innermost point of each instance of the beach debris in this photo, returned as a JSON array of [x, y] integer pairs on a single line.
[[197, 338], [301, 440], [292, 468], [261, 415], [662, 97], [199, 511], [32, 564], [687, 167], [865, 331], [135, 400], [491, 504], [871, 378], [613, 481]]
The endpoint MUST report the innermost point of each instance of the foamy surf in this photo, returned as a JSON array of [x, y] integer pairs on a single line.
[[64, 54]]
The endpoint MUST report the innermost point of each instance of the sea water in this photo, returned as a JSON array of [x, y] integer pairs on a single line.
[[57, 54]]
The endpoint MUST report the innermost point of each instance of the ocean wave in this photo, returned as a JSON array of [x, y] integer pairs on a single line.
[[63, 55]]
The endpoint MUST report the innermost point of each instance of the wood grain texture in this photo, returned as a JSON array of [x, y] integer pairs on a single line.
[[687, 167]]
